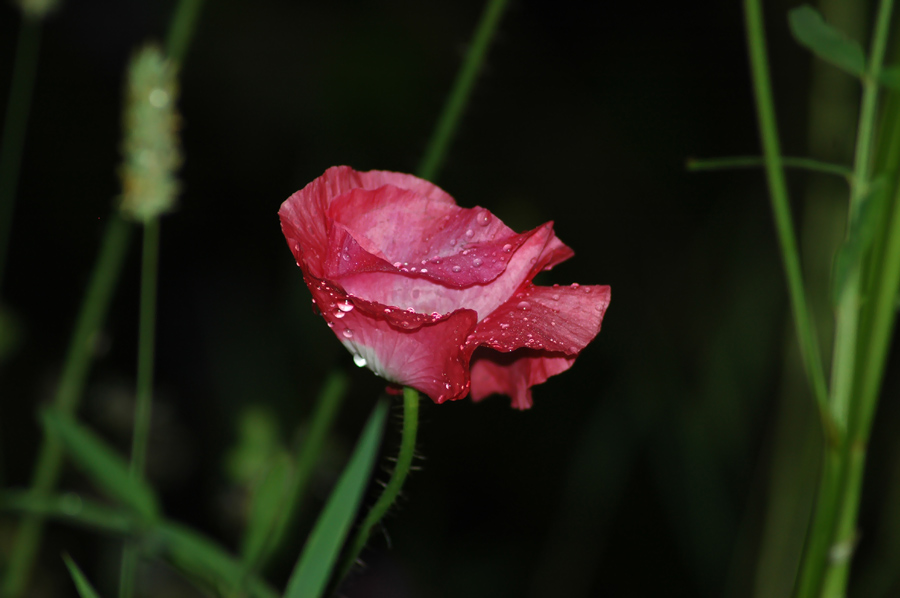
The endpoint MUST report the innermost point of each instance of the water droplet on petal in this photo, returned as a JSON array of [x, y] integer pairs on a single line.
[[573, 349], [470, 233], [397, 264], [359, 360], [338, 314], [575, 285], [456, 268], [524, 305], [346, 257], [447, 385], [477, 262], [587, 289], [345, 306], [507, 248], [424, 270], [555, 296], [347, 333], [484, 217], [404, 324], [504, 326], [331, 324]]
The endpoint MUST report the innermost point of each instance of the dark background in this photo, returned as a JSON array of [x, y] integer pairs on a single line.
[[645, 470]]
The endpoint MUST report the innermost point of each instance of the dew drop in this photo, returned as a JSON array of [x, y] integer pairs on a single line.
[[345, 306], [477, 262], [404, 324], [424, 270], [338, 314], [447, 385], [575, 285], [331, 324], [346, 257], [555, 296], [436, 260], [397, 264], [359, 360], [347, 333], [504, 326], [456, 268], [524, 305], [587, 289], [507, 248], [484, 217], [573, 349], [470, 233]]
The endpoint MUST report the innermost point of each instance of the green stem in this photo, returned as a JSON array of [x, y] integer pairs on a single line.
[[734, 162], [146, 343], [322, 419], [14, 126], [392, 490], [79, 356], [825, 570], [809, 348], [144, 394], [431, 163], [847, 322], [181, 29]]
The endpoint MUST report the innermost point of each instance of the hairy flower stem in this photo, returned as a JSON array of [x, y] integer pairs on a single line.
[[392, 490], [79, 357], [431, 163], [14, 127]]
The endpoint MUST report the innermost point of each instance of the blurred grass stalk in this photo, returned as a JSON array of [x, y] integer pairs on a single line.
[[15, 122], [866, 283], [151, 158]]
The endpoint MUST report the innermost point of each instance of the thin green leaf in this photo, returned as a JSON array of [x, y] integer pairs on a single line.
[[266, 509], [203, 560], [826, 42], [313, 568], [101, 463], [85, 590], [864, 221]]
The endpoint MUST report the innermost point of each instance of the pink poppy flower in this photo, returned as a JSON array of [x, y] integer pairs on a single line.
[[433, 296]]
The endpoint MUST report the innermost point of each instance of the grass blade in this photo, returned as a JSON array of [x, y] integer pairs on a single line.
[[313, 569]]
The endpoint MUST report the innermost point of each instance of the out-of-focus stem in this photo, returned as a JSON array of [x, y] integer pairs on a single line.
[[431, 163], [144, 394], [68, 394], [762, 87], [15, 124]]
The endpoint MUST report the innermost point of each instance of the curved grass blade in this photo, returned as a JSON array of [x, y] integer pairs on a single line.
[[810, 30], [84, 587], [313, 568], [101, 463]]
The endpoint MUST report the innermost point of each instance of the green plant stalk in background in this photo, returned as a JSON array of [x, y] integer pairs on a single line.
[[15, 124], [863, 321], [809, 347], [448, 122], [144, 393], [68, 394]]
